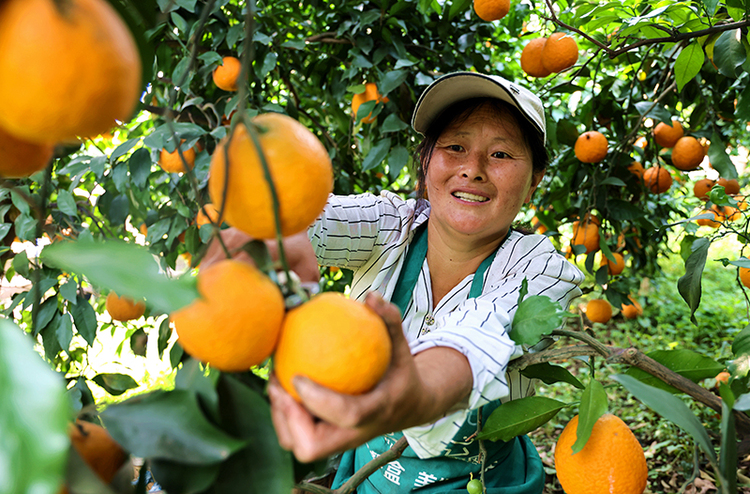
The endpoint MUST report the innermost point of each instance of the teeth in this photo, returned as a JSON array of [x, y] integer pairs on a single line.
[[470, 197]]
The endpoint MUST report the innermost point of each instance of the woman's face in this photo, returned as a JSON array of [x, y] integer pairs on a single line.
[[480, 175]]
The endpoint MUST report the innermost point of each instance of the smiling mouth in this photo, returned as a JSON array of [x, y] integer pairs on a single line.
[[470, 197]]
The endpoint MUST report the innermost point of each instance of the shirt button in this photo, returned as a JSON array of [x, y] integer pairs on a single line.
[[429, 320]]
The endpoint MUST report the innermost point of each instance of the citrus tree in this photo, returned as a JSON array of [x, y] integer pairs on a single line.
[[110, 196]]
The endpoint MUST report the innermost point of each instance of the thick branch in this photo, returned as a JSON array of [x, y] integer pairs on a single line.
[[636, 358], [555, 355]]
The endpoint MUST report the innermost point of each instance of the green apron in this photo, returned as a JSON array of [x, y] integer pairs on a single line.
[[510, 468]]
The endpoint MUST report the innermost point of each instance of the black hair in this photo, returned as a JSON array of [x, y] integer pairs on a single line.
[[459, 112]]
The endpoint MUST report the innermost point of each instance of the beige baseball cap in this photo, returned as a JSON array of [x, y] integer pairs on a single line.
[[458, 86]]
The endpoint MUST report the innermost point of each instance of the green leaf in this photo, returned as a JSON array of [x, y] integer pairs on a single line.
[[648, 110], [165, 332], [391, 80], [68, 291], [620, 210], [728, 452], [262, 466], [689, 285], [66, 203], [593, 405], [518, 417], [686, 363], [613, 181], [115, 384], [742, 112], [717, 156], [688, 64], [729, 54], [393, 124], [21, 264], [671, 408], [65, 331], [741, 343], [458, 7], [139, 165], [550, 374], [168, 425], [192, 377], [123, 149], [34, 412], [535, 317], [85, 319], [377, 154], [135, 273]]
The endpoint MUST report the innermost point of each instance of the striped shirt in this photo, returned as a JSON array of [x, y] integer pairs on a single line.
[[369, 234]]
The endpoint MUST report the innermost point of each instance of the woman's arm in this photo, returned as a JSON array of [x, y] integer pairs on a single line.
[[415, 390]]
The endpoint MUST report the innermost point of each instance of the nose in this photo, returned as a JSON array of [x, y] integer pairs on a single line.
[[474, 168]]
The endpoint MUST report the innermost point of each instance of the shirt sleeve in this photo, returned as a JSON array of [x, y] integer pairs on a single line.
[[351, 228], [480, 328]]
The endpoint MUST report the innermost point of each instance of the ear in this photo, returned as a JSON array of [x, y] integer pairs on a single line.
[[536, 179]]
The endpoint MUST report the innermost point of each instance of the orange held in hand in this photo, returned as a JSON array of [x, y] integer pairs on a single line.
[[235, 323], [67, 69], [226, 76], [301, 171], [491, 10], [611, 462], [591, 147], [335, 341], [369, 94], [97, 448], [19, 158], [124, 308], [531, 58], [560, 52]]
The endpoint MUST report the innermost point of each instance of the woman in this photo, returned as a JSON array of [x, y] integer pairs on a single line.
[[453, 267]]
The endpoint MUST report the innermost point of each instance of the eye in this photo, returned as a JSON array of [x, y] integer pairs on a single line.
[[455, 147], [500, 155]]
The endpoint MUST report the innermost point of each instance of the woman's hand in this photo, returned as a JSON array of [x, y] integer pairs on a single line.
[[299, 253], [415, 390]]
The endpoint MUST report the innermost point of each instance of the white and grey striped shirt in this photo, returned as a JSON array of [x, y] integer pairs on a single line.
[[370, 234]]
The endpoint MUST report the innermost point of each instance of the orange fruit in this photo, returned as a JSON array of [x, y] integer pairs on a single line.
[[641, 142], [687, 153], [614, 268], [124, 308], [722, 377], [227, 75], [491, 10], [745, 277], [97, 448], [235, 323], [206, 215], [19, 158], [531, 58], [143, 229], [728, 213], [636, 168], [631, 311], [301, 171], [591, 147], [560, 52], [538, 226], [702, 187], [713, 223], [666, 135], [731, 186], [657, 179], [335, 341], [611, 462], [598, 310], [172, 163], [66, 69], [369, 94], [586, 234]]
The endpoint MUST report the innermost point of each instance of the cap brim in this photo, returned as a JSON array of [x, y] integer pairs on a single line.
[[459, 86]]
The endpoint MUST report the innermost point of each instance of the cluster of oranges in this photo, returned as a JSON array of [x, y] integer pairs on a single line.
[[48, 102], [335, 341], [544, 56]]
